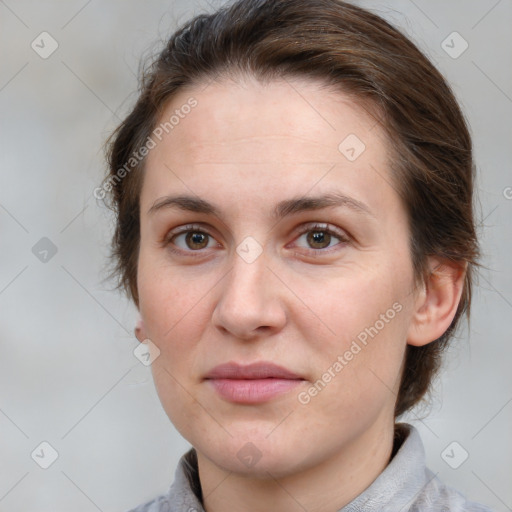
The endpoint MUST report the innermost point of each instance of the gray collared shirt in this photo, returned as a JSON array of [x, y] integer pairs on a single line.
[[405, 485]]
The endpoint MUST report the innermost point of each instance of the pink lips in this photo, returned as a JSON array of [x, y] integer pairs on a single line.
[[254, 383]]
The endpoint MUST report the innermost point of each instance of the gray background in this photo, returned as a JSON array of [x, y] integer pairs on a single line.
[[67, 372]]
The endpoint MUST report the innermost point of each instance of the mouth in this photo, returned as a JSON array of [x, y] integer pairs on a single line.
[[253, 383]]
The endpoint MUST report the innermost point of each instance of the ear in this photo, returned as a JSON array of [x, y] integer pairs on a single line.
[[436, 301], [140, 330]]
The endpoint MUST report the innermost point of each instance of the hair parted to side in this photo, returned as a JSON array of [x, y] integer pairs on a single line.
[[357, 53]]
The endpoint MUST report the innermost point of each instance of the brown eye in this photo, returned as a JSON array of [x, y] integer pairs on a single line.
[[196, 240], [190, 239], [321, 238], [318, 239]]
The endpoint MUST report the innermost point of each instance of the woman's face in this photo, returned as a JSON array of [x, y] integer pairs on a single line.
[[291, 248]]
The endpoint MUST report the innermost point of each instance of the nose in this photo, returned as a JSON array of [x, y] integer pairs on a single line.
[[250, 302]]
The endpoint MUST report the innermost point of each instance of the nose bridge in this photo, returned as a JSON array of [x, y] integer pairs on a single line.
[[249, 260], [247, 282], [248, 301]]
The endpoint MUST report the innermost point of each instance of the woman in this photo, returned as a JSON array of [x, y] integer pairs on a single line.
[[293, 192]]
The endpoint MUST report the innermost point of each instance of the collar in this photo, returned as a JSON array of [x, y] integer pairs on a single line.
[[403, 479], [396, 488]]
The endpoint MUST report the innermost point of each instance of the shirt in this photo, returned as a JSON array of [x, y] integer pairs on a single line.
[[405, 485]]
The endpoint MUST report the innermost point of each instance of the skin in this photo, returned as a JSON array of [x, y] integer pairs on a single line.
[[244, 148]]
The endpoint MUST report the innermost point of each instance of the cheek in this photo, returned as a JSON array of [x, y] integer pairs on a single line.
[[168, 298], [363, 323], [176, 309], [346, 306], [176, 396]]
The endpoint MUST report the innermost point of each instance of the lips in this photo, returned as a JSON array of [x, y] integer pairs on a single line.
[[261, 370], [253, 383]]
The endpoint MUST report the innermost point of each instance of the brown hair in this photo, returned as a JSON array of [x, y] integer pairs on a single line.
[[358, 53]]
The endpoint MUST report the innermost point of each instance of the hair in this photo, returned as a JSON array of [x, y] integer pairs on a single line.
[[357, 53]]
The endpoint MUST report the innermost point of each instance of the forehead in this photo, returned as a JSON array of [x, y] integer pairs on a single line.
[[247, 112], [284, 137]]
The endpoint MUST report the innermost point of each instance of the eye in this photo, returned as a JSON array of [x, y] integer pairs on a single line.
[[321, 236], [190, 239], [193, 239]]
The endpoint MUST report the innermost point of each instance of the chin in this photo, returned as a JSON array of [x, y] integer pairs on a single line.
[[256, 455]]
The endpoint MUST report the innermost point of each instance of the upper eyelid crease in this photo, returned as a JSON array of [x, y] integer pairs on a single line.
[[306, 228], [282, 209]]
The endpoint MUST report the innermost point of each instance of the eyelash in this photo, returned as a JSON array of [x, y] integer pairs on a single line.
[[344, 239]]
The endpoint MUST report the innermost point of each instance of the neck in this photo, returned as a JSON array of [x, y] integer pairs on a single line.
[[324, 487]]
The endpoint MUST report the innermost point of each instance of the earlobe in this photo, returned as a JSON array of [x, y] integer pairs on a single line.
[[437, 301], [140, 330]]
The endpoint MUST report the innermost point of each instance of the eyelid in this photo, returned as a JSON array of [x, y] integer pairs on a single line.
[[166, 241], [342, 235], [322, 226]]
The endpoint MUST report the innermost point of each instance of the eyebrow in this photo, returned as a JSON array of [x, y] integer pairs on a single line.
[[282, 209]]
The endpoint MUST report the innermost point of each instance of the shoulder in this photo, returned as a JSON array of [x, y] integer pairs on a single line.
[[159, 504], [185, 492], [439, 497], [407, 484]]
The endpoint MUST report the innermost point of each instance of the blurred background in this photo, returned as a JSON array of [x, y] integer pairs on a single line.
[[81, 426]]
